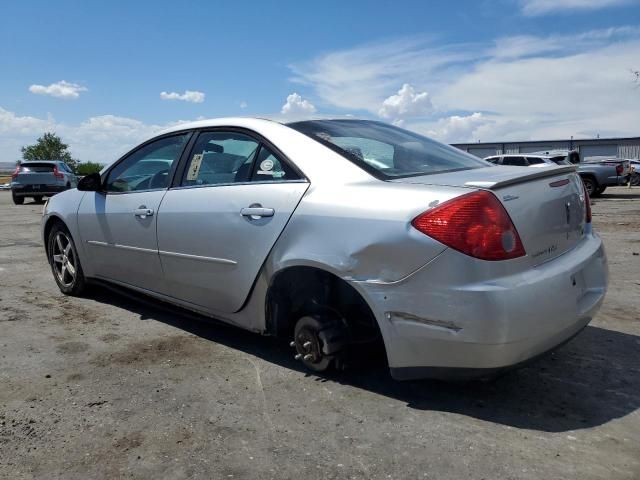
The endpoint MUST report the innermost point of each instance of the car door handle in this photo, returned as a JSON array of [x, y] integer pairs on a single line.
[[257, 212], [143, 212]]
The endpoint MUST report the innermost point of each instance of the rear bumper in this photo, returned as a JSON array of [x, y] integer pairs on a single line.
[[451, 319], [31, 190], [615, 181]]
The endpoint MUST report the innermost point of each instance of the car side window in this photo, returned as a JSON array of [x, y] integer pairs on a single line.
[[492, 159], [514, 161], [269, 168], [147, 168], [220, 157]]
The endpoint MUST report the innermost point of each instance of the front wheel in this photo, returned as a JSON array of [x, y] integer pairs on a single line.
[[64, 261], [38, 199], [590, 186], [16, 199], [601, 190], [635, 179]]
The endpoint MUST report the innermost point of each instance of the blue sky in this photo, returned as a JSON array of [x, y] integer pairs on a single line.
[[458, 71]]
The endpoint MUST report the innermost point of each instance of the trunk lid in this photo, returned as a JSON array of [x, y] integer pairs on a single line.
[[547, 206]]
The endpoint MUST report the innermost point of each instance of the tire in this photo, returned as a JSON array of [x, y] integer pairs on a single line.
[[591, 186], [635, 179], [17, 200], [327, 338], [601, 190], [38, 199], [64, 261]]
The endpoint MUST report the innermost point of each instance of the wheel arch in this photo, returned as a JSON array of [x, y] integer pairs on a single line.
[[296, 290], [51, 221]]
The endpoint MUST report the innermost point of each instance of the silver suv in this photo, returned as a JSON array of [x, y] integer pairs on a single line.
[[39, 179]]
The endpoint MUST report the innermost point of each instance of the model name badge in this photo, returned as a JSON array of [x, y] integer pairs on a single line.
[[546, 251], [508, 198]]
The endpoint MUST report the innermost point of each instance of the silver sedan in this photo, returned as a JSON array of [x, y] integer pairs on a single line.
[[341, 235]]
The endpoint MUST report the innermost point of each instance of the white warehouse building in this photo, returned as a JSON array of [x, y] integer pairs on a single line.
[[628, 148]]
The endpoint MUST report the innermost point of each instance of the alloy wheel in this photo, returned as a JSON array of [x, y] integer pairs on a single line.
[[64, 259]]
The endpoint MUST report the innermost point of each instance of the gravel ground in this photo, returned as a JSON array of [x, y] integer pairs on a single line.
[[112, 386]]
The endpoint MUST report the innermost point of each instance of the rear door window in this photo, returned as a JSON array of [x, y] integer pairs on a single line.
[[269, 168], [220, 158], [36, 167]]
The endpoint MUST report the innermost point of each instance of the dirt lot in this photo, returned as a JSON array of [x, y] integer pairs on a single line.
[[110, 386]]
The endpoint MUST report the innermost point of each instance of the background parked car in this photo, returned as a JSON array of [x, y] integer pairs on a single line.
[[596, 174], [39, 179], [528, 160]]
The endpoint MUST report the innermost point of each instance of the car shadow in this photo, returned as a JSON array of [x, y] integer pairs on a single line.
[[588, 382]]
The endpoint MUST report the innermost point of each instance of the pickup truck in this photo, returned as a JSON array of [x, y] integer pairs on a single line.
[[39, 179], [598, 173]]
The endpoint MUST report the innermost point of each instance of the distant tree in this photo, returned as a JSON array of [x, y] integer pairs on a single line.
[[636, 76], [49, 147], [85, 168]]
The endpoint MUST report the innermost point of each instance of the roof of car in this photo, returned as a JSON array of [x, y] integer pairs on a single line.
[[530, 155], [246, 122], [23, 162]]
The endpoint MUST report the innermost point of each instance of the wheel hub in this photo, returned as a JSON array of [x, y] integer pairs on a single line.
[[308, 346]]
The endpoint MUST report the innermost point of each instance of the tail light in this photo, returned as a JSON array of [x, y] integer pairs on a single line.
[[56, 172], [619, 169], [587, 205], [475, 224], [15, 172]]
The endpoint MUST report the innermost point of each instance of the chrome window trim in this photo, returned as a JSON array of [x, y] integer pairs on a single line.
[[233, 184]]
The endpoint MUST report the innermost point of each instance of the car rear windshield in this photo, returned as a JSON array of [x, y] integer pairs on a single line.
[[386, 151], [36, 167], [560, 160]]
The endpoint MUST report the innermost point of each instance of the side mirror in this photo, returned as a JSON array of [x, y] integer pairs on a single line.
[[90, 183]]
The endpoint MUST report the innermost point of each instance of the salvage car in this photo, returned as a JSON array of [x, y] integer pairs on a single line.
[[341, 234], [39, 179]]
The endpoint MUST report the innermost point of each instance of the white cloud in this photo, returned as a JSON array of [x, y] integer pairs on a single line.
[[101, 138], [243, 105], [518, 88], [296, 105], [541, 7], [457, 128], [191, 96], [361, 78], [61, 89], [405, 104]]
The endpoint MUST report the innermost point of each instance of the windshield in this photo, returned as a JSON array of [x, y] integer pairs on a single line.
[[386, 151], [560, 160], [37, 167]]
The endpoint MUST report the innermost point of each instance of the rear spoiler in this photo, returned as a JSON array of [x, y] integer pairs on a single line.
[[538, 173]]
